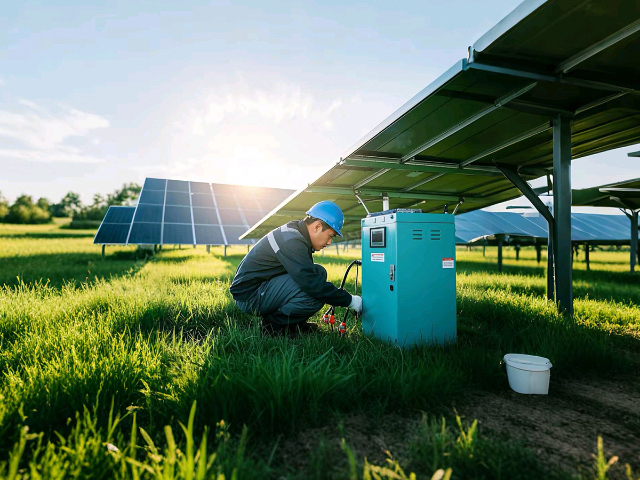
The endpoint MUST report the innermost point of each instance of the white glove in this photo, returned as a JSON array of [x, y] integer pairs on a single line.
[[356, 304]]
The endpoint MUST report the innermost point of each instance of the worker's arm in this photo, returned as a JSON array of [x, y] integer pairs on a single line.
[[295, 259]]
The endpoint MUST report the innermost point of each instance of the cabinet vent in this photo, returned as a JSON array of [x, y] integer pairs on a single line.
[[417, 235], [435, 234]]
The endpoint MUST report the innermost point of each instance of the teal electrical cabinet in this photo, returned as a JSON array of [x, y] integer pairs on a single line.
[[409, 277]]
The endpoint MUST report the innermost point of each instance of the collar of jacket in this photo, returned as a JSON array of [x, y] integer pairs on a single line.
[[302, 228]]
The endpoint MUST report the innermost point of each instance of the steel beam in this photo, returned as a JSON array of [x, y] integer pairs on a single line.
[[500, 239], [547, 78], [423, 181], [431, 168], [586, 256], [528, 192], [371, 178], [379, 193], [634, 240], [508, 143], [562, 213], [473, 118], [598, 47]]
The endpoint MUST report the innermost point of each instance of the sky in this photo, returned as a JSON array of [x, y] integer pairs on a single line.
[[94, 94]]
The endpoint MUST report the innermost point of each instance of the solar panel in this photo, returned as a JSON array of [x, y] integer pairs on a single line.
[[154, 197], [148, 213], [585, 227], [178, 198], [181, 212], [119, 215], [209, 235], [154, 184], [177, 186], [144, 233], [205, 216], [178, 233], [174, 214]]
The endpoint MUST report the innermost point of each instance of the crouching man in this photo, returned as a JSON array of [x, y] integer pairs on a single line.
[[278, 280]]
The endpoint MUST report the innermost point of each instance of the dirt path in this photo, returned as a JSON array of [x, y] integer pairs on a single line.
[[562, 428]]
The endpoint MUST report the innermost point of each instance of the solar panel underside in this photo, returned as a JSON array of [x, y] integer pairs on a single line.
[[196, 213]]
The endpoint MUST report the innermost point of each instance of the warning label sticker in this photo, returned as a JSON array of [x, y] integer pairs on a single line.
[[447, 263], [377, 257]]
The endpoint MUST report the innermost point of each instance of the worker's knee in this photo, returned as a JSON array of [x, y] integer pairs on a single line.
[[321, 270]]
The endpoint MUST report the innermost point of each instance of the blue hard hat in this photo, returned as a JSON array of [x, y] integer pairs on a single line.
[[329, 213]]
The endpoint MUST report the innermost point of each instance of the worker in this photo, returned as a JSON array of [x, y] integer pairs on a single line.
[[278, 280]]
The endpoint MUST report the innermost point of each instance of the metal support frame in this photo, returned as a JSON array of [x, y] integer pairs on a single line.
[[379, 193], [562, 213], [431, 167], [538, 252], [500, 238], [103, 245], [508, 143], [634, 241], [225, 251], [208, 248], [528, 192], [447, 133], [371, 178], [586, 255], [596, 48]]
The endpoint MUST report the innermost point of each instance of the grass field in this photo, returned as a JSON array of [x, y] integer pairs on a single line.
[[142, 367]]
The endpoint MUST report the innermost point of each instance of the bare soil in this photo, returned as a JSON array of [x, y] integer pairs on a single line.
[[561, 428]]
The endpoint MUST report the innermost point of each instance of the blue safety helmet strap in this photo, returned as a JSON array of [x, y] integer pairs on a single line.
[[329, 213]]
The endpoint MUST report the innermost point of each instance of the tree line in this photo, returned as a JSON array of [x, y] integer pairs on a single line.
[[26, 210]]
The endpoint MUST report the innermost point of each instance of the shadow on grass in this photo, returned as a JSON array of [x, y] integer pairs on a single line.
[[58, 269]]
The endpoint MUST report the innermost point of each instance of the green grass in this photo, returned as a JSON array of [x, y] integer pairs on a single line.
[[84, 342]]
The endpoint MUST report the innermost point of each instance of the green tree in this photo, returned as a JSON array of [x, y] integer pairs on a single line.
[[68, 206], [24, 210], [4, 207]]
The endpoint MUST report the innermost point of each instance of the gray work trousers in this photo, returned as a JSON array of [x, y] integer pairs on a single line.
[[282, 301]]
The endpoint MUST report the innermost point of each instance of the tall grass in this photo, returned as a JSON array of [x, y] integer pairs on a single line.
[[154, 335]]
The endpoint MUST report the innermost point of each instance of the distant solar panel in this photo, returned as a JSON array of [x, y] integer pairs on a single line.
[[115, 226], [189, 213]]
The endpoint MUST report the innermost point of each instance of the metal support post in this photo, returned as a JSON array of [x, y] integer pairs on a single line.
[[528, 192], [517, 248], [337, 250], [562, 213], [208, 248], [225, 251], [586, 255], [538, 252], [248, 248], [103, 245], [634, 240], [385, 203], [500, 240], [550, 267]]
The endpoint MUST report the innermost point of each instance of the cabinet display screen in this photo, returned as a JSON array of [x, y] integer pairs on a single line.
[[378, 237]]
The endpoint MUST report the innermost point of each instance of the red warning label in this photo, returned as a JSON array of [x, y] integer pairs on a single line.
[[447, 263]]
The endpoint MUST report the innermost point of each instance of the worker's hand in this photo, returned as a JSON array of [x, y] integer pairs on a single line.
[[356, 304]]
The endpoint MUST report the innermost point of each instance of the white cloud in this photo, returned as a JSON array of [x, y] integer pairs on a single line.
[[42, 134], [287, 102], [2, 82]]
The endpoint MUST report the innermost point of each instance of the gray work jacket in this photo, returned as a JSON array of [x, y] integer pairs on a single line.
[[286, 249]]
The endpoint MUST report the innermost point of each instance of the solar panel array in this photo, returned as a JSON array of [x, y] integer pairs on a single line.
[[585, 227], [183, 212]]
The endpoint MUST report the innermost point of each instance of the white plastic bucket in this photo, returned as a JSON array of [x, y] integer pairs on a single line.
[[527, 373]]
